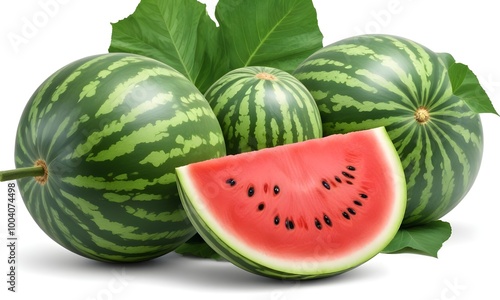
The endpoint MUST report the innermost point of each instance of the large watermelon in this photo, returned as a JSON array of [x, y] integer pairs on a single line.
[[262, 107], [381, 80], [299, 211], [107, 132]]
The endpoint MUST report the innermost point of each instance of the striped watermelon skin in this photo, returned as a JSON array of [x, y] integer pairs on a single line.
[[262, 107], [111, 129], [382, 80]]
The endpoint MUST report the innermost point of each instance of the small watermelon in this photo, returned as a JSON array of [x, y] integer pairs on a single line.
[[376, 80], [299, 211], [262, 107], [106, 133]]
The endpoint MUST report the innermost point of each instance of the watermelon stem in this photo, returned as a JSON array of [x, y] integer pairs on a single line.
[[422, 115], [36, 171]]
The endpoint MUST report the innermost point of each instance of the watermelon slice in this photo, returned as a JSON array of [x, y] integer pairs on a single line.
[[299, 211]]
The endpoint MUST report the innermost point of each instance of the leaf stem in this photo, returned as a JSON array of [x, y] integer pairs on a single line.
[[35, 171]]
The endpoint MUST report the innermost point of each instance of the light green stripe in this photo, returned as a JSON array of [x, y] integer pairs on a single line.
[[157, 158], [100, 183], [427, 176], [391, 87], [243, 124], [64, 235], [448, 185], [365, 124], [117, 125], [258, 120], [343, 101], [413, 158], [124, 231], [73, 76], [117, 97], [128, 250], [422, 64], [306, 103], [287, 111], [34, 118], [458, 151], [401, 136], [147, 197], [348, 49], [337, 77], [57, 134], [89, 90], [94, 214], [75, 126], [116, 198], [175, 216], [64, 85], [439, 99], [150, 133]]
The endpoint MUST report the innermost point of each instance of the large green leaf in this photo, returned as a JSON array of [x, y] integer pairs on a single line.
[[424, 239], [278, 33], [466, 85], [179, 33]]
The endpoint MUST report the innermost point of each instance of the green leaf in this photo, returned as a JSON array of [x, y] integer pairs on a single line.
[[424, 239], [278, 33], [466, 85], [179, 33]]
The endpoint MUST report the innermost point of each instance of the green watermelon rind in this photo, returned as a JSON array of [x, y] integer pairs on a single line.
[[260, 107], [373, 80], [111, 129], [213, 233]]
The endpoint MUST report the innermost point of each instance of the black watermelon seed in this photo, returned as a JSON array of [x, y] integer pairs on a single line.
[[347, 175], [289, 224], [351, 168], [348, 182], [251, 191], [338, 179], [276, 220], [351, 211], [326, 185], [358, 203], [231, 182], [364, 196], [346, 215], [327, 220], [317, 223], [276, 190], [261, 206]]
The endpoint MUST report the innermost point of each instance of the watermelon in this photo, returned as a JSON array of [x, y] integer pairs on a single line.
[[258, 107], [376, 80], [262, 107], [105, 133], [299, 211]]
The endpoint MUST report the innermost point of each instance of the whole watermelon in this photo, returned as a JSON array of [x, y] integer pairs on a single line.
[[109, 130], [382, 80], [261, 107]]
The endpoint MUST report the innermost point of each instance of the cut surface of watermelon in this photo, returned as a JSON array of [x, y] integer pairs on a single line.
[[299, 211]]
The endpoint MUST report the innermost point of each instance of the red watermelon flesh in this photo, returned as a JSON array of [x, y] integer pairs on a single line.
[[302, 210]]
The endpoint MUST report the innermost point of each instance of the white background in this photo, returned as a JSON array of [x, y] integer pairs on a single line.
[[68, 30]]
